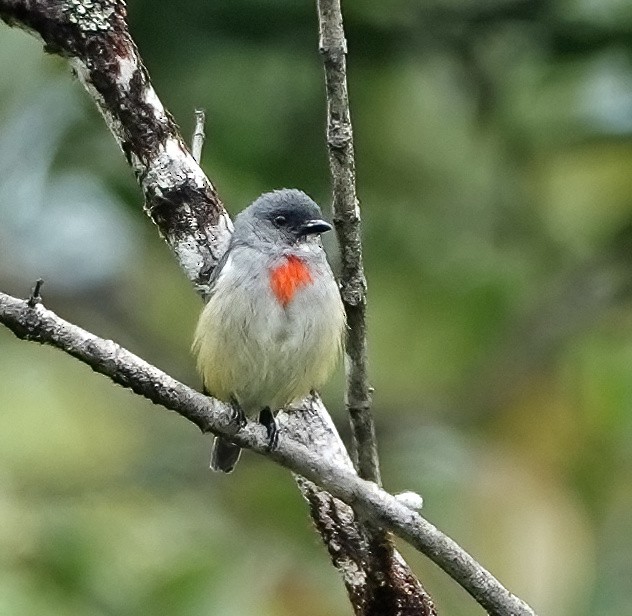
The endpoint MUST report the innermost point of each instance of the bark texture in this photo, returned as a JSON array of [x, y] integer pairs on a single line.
[[391, 587], [346, 208]]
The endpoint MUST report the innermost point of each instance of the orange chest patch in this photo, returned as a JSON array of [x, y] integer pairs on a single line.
[[287, 278]]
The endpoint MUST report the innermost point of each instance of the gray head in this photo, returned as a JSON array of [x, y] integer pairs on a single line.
[[286, 215]]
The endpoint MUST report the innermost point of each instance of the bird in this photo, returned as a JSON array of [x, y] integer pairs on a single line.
[[273, 327]]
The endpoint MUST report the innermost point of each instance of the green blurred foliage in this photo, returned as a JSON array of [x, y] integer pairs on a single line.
[[494, 148]]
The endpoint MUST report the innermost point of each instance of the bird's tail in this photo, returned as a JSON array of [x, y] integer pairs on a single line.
[[224, 455]]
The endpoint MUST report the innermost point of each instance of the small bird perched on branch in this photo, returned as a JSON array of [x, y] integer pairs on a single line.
[[273, 326]]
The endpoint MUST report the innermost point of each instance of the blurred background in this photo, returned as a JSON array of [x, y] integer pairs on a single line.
[[494, 155]]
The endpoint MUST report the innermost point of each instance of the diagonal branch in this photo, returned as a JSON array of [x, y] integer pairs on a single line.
[[372, 503], [179, 197]]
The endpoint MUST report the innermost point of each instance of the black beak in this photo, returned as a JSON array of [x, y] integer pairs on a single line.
[[312, 227]]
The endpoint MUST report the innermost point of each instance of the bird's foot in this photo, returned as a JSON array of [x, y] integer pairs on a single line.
[[266, 418], [237, 415]]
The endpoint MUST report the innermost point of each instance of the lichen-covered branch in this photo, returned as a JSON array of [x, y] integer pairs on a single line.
[[34, 322], [378, 580], [358, 559], [94, 37]]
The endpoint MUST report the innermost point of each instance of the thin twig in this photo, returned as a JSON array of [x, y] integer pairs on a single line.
[[197, 142], [333, 48], [36, 297], [367, 499], [381, 558]]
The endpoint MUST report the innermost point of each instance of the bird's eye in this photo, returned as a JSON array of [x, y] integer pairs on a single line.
[[280, 221]]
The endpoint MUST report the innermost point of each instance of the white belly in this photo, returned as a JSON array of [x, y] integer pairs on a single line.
[[262, 353]]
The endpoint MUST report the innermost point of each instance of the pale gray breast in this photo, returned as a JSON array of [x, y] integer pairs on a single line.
[[276, 353]]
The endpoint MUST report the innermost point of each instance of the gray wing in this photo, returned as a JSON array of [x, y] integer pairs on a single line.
[[218, 268]]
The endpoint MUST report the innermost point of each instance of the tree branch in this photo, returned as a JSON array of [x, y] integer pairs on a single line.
[[384, 564], [346, 207], [372, 503], [179, 198]]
